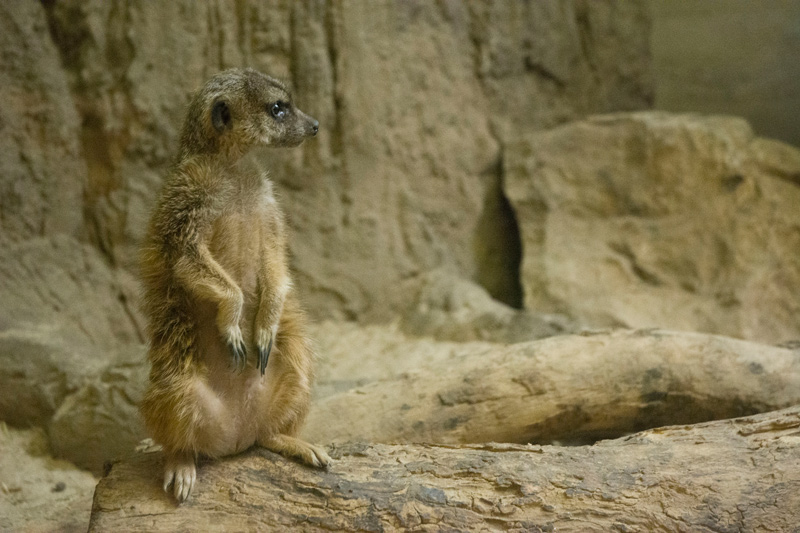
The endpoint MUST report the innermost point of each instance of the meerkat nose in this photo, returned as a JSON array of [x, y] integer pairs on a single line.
[[315, 127]]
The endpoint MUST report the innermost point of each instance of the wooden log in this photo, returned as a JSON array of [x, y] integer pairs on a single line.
[[731, 475], [572, 389]]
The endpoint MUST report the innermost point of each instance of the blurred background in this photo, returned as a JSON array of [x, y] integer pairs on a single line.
[[734, 58], [461, 188]]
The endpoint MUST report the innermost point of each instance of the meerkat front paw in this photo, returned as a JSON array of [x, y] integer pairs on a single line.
[[235, 343], [265, 337], [180, 473]]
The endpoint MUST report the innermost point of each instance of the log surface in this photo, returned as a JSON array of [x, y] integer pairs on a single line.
[[571, 389], [730, 475]]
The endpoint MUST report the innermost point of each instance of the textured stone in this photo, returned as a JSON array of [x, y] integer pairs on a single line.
[[38, 493], [70, 343], [68, 288], [652, 219], [42, 173], [414, 100], [447, 307], [40, 369], [100, 422]]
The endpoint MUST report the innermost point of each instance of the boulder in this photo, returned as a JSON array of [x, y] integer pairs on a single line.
[[64, 309], [40, 369], [100, 422], [445, 306], [660, 220]]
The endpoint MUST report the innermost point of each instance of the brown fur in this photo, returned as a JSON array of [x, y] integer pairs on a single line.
[[217, 288]]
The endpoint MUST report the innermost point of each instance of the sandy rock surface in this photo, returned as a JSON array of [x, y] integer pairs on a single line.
[[398, 181], [38, 493], [653, 219]]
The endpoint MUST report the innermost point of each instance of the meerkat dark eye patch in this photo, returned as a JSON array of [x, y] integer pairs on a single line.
[[220, 116]]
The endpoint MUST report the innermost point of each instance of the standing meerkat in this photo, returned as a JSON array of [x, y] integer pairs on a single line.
[[231, 365]]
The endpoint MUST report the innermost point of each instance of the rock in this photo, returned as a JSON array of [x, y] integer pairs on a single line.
[[63, 309], [414, 101], [569, 388], [42, 172], [100, 422], [40, 369], [38, 493], [68, 288], [86, 397], [651, 219], [447, 307]]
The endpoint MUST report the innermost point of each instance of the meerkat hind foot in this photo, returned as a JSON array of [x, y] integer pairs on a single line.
[[181, 473], [292, 447]]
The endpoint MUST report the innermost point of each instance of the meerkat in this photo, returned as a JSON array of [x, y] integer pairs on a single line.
[[231, 366]]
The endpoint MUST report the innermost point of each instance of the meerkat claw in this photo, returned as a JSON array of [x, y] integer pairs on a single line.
[[263, 356], [237, 349], [239, 355], [265, 337]]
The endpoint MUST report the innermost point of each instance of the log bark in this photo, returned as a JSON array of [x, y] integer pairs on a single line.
[[568, 389], [730, 475]]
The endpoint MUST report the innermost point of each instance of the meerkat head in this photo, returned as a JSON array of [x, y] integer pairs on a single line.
[[241, 108]]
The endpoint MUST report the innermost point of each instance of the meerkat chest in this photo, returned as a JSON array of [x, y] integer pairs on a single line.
[[241, 237]]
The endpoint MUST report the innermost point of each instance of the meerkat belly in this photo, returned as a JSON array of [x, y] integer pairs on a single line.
[[233, 397]]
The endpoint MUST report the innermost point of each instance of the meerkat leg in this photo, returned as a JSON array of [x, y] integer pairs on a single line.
[[205, 278], [274, 284], [180, 472], [288, 393], [188, 418], [295, 448]]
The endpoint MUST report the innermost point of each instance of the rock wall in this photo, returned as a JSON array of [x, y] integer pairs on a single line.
[[415, 100]]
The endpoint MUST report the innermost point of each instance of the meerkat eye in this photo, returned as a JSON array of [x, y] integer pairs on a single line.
[[278, 110]]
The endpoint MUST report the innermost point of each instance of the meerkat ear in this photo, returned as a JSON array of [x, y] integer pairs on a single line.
[[220, 116]]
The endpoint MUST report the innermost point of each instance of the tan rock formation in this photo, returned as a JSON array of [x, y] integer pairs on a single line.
[[38, 493], [652, 219], [42, 171], [413, 101]]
